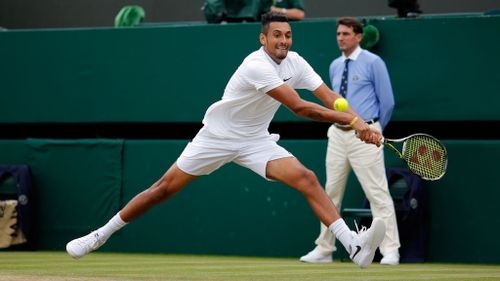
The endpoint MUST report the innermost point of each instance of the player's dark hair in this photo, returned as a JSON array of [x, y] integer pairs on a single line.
[[357, 27], [269, 17]]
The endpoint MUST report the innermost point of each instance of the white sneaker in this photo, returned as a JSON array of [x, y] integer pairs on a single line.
[[390, 259], [79, 247], [365, 243], [317, 256]]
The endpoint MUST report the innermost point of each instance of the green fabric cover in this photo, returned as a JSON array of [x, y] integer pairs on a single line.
[[77, 186], [371, 36], [130, 16]]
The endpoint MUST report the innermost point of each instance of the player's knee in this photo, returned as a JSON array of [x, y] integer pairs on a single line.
[[159, 192], [307, 179], [310, 176]]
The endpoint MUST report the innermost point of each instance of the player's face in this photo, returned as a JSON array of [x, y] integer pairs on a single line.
[[347, 40], [277, 41]]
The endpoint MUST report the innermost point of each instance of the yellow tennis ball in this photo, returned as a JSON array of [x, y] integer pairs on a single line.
[[340, 104]]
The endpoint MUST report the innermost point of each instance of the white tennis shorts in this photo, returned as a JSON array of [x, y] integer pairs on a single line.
[[207, 153]]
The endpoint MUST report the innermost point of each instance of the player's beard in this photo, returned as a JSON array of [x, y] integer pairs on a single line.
[[281, 52]]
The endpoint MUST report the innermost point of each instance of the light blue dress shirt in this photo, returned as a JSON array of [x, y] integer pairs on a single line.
[[369, 89]]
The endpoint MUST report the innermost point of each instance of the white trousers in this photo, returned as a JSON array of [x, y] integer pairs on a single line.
[[346, 151]]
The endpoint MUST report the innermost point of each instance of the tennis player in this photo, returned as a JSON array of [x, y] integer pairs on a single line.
[[236, 130]]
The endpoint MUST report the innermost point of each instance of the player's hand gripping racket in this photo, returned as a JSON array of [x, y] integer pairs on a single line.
[[424, 155]]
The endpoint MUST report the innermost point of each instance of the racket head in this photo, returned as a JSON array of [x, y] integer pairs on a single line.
[[425, 156]]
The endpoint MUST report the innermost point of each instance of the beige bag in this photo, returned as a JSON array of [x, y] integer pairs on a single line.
[[10, 232]]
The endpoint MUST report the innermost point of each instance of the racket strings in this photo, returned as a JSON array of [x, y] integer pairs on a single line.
[[425, 156]]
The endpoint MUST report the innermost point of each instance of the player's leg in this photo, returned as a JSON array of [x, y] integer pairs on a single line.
[[271, 161], [169, 184], [292, 173], [200, 157], [337, 171], [361, 246]]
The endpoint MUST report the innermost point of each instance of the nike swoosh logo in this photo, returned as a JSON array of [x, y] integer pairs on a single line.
[[358, 248], [284, 80]]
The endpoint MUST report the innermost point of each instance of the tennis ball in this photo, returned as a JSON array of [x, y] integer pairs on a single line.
[[340, 104]]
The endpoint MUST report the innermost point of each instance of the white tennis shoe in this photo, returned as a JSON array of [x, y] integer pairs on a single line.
[[365, 243], [390, 259], [79, 247]]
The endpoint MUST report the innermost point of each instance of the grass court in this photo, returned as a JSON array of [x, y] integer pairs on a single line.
[[58, 266]]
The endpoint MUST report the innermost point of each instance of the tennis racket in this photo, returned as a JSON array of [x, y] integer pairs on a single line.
[[424, 155]]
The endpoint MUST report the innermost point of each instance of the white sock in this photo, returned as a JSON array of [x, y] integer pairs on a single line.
[[113, 225], [342, 232]]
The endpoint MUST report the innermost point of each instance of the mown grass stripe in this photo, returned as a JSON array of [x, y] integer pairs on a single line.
[[55, 266]]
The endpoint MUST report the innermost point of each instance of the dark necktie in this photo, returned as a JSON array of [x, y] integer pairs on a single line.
[[345, 75]]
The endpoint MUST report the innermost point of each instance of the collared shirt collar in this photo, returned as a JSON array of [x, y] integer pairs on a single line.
[[354, 54]]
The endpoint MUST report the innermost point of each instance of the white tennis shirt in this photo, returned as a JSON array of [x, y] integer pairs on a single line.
[[245, 110]]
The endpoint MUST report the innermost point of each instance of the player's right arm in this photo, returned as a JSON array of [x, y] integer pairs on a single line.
[[313, 111]]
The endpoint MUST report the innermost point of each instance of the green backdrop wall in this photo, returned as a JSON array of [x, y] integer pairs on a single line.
[[173, 73]]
